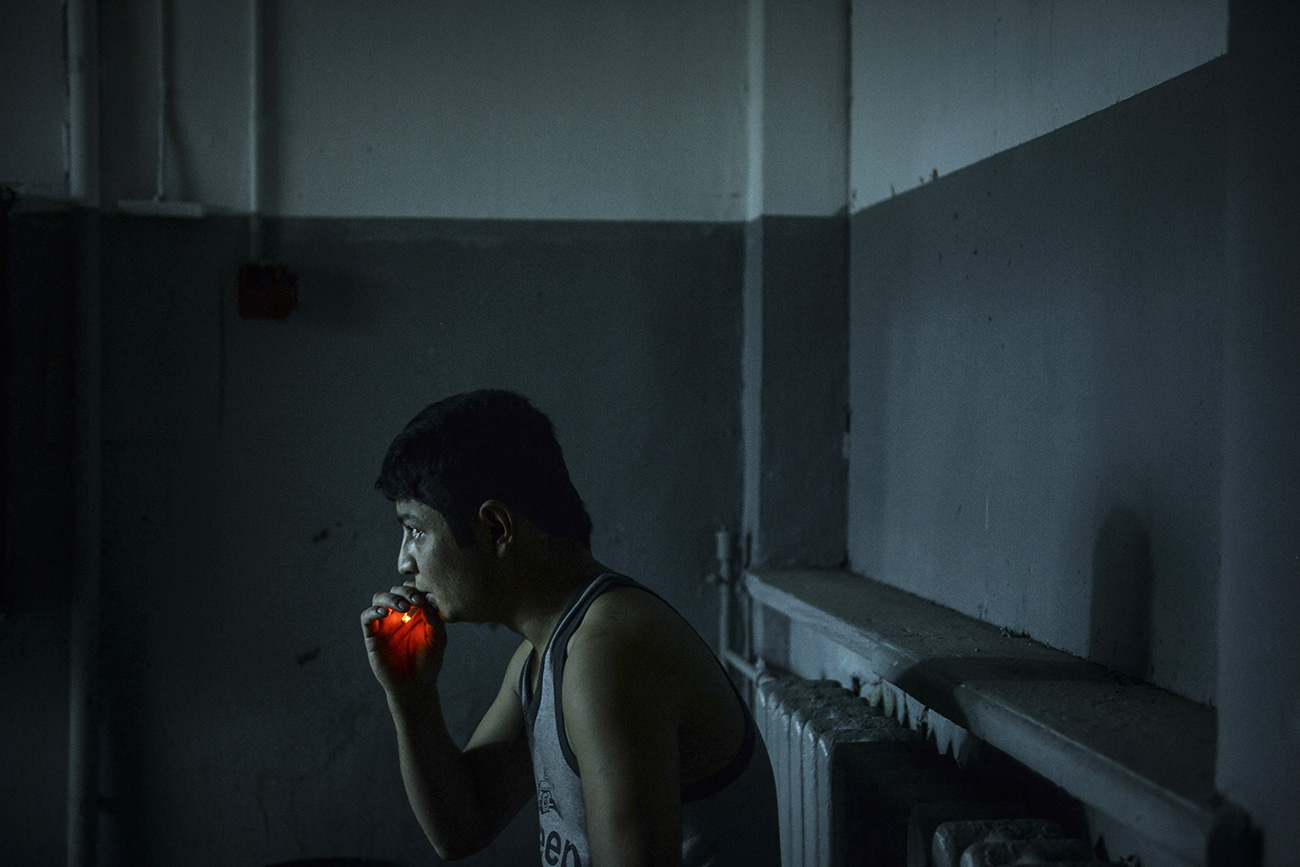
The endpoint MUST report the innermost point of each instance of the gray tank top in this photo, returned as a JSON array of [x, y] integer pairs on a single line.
[[729, 819]]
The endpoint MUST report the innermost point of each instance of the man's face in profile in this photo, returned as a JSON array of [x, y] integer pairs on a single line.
[[435, 563]]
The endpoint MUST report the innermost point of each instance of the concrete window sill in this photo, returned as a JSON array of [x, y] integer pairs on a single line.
[[1136, 752]]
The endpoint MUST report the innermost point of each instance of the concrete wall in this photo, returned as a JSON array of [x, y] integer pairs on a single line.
[[1071, 366], [939, 86], [36, 580], [1036, 374], [1036, 369], [570, 110], [798, 108], [1259, 596], [33, 87], [796, 292], [1036, 352], [402, 150]]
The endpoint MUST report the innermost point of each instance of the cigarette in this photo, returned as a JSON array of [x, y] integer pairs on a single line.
[[406, 617]]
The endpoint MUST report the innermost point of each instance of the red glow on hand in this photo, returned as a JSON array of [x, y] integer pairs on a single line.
[[401, 639]]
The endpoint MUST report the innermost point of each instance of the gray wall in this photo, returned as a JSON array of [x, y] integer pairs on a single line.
[[241, 534], [494, 109], [1036, 381], [36, 584], [940, 86], [1258, 760], [34, 87]]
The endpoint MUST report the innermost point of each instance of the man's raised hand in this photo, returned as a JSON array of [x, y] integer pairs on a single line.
[[405, 639]]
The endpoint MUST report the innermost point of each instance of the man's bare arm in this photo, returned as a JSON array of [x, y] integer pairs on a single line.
[[461, 798], [623, 730]]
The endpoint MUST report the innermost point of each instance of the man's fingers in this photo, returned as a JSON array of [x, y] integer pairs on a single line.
[[375, 612], [370, 621], [396, 601], [402, 600]]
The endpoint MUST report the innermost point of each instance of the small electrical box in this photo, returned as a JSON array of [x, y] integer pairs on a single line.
[[266, 291]]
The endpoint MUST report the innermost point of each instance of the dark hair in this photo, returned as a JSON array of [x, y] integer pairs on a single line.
[[483, 445]]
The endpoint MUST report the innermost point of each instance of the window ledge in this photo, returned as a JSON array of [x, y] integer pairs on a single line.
[[1139, 753]]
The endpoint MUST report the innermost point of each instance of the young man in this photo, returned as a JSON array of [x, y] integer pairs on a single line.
[[613, 711]]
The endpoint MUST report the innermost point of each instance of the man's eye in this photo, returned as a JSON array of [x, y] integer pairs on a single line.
[[415, 534]]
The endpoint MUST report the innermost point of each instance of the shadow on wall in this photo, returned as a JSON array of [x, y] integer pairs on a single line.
[[1123, 573]]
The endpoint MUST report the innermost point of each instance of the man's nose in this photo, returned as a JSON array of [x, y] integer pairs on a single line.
[[405, 562]]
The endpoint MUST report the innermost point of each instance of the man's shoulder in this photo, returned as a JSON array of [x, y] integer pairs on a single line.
[[613, 653], [629, 614], [629, 631]]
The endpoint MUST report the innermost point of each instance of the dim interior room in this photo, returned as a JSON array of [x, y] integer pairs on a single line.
[[991, 304]]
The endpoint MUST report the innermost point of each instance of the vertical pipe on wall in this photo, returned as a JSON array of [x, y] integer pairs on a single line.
[[754, 83], [83, 638], [726, 579], [83, 679], [254, 130], [751, 346], [723, 578], [83, 103], [160, 164], [7, 200]]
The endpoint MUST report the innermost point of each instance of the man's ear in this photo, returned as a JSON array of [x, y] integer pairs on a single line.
[[497, 520]]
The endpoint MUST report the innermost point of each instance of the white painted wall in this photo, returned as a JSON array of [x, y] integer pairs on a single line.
[[581, 109], [940, 85], [574, 109], [801, 140], [33, 98]]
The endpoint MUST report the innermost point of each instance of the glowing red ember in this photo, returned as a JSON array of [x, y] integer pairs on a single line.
[[402, 638]]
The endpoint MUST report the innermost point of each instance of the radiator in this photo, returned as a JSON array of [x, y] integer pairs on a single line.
[[856, 787], [823, 740]]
